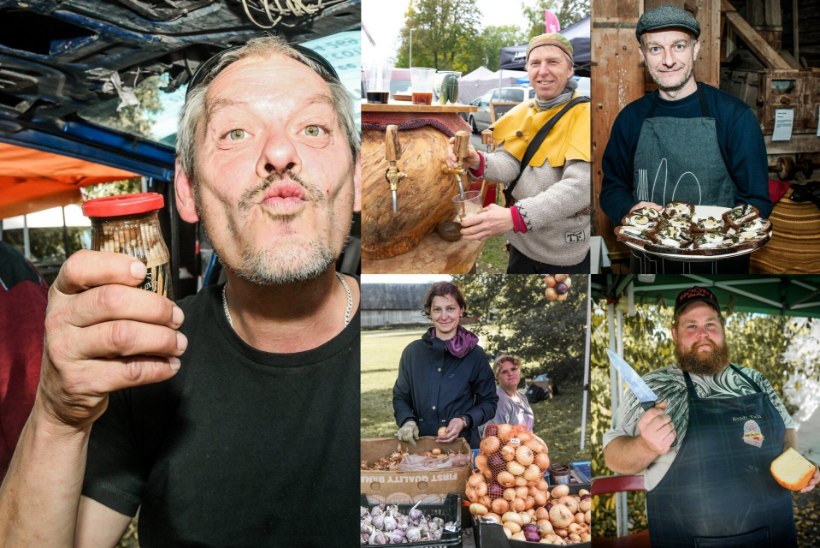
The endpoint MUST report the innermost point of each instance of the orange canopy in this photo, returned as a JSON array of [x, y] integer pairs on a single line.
[[32, 180]]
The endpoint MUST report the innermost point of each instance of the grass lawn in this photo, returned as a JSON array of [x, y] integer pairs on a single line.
[[557, 421], [493, 258]]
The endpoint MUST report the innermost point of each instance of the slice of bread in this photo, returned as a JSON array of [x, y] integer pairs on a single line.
[[792, 470], [740, 215], [631, 234]]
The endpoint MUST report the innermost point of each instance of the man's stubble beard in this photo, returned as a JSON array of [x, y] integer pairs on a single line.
[[715, 362], [279, 265], [674, 88]]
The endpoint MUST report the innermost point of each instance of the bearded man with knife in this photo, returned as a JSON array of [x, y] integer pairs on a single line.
[[705, 448]]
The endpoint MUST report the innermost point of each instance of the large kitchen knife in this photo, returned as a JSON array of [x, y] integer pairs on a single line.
[[641, 390]]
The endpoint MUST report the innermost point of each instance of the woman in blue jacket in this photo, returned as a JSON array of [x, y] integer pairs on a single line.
[[444, 378]]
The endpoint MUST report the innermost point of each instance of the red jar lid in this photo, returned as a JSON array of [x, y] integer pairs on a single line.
[[124, 204]]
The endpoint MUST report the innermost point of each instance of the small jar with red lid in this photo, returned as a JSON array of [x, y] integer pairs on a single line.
[[128, 224]]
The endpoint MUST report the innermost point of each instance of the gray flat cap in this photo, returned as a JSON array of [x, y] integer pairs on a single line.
[[667, 17]]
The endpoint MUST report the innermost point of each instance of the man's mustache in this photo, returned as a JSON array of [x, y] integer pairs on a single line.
[[708, 341], [250, 197]]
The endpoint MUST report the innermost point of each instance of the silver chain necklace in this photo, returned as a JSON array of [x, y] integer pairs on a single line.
[[348, 294]]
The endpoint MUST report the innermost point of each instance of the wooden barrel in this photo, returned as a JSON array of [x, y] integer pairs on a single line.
[[424, 196], [795, 243]]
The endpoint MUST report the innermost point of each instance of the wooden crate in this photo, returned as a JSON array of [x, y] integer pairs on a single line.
[[767, 90]]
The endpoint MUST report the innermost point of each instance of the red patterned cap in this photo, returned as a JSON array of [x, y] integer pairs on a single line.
[[694, 294]]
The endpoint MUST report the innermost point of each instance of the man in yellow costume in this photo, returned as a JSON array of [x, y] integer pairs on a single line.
[[548, 223]]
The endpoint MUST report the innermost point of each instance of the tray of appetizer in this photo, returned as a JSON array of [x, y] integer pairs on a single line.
[[686, 232]]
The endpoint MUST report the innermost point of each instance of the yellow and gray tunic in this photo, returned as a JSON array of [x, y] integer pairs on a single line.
[[553, 194]]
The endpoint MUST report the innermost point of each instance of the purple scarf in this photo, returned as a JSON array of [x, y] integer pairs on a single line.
[[461, 344]]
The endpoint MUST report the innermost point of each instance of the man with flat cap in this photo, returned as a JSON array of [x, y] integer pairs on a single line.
[[543, 159], [688, 141], [705, 448]]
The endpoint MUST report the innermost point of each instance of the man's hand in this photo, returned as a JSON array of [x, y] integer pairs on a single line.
[[472, 159], [656, 429], [490, 221], [409, 432], [814, 481], [640, 205], [454, 428], [103, 334]]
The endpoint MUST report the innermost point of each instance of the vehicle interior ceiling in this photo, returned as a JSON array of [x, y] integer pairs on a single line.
[[67, 67]]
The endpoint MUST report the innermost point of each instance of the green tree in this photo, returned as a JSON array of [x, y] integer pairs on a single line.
[[113, 188], [440, 28], [133, 119], [485, 50], [516, 316], [567, 12]]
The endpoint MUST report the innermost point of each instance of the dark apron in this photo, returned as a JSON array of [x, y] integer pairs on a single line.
[[679, 159], [719, 491]]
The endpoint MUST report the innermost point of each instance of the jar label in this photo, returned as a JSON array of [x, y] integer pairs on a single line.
[[157, 279]]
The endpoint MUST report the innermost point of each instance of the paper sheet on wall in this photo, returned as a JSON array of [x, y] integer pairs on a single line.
[[818, 122], [783, 124]]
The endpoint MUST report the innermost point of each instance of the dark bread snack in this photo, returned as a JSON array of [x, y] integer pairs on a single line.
[[713, 243], [749, 239], [740, 215], [759, 225], [639, 220], [631, 234], [670, 236], [650, 212], [679, 209], [708, 224]]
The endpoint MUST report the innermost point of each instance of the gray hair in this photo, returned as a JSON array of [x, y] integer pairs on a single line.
[[263, 46]]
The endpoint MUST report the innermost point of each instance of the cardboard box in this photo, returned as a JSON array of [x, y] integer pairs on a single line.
[[410, 487]]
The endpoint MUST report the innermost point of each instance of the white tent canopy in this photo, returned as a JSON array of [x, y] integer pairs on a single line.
[[482, 79]]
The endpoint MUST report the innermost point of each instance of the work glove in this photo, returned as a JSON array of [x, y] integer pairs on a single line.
[[409, 432]]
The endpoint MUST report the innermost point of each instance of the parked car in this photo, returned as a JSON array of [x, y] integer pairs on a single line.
[[481, 119], [583, 85]]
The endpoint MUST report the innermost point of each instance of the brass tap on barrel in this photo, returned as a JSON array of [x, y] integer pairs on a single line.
[[462, 150], [392, 153]]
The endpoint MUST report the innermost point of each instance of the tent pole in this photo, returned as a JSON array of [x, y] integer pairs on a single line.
[[613, 379], [586, 364], [26, 241], [621, 504], [65, 234]]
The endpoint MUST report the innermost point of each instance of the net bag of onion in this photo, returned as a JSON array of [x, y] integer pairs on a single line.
[[511, 463], [509, 488]]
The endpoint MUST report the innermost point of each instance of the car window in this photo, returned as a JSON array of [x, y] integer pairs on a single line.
[[485, 99], [532, 93], [515, 95]]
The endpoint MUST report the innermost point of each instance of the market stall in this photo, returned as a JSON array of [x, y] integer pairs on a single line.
[[788, 295]]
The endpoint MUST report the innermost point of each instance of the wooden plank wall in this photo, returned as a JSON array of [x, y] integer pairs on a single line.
[[618, 76]]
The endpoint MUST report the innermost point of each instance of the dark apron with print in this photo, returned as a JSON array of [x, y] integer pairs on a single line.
[[719, 491], [679, 159]]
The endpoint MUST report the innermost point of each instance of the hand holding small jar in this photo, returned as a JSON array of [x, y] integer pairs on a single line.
[[102, 334]]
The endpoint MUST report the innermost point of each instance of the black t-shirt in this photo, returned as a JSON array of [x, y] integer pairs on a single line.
[[241, 447]]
